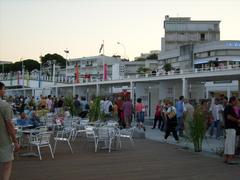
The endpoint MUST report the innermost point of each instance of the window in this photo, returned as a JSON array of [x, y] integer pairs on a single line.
[[209, 54], [233, 52], [202, 37]]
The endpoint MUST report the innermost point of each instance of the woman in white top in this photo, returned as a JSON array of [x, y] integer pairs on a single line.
[[217, 113]]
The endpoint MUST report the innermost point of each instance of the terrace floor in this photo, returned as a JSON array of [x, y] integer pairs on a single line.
[[147, 160]]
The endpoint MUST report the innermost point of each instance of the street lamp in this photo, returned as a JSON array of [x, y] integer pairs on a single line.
[[149, 101], [124, 48], [67, 52], [53, 78], [22, 72], [2, 70]]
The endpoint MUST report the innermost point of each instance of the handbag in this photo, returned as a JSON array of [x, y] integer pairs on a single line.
[[171, 114]]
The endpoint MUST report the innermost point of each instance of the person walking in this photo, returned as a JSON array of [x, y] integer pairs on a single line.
[[128, 111], [231, 124], [140, 110], [171, 121], [216, 110], [180, 111], [7, 137], [158, 116]]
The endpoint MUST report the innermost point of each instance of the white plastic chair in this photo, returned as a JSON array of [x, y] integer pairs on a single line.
[[80, 127], [42, 140], [127, 134], [106, 136], [64, 135]]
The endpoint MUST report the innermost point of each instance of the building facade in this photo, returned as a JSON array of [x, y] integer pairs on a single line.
[[216, 54], [182, 30], [92, 68]]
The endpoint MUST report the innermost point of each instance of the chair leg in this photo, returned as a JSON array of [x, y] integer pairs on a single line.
[[132, 142], [110, 145], [74, 136], [96, 145], [39, 153], [70, 146], [50, 147], [119, 142], [55, 145]]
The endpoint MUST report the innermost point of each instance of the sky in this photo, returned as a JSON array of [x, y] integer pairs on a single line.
[[31, 28]]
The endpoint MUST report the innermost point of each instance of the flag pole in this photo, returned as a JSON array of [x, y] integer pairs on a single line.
[[103, 47]]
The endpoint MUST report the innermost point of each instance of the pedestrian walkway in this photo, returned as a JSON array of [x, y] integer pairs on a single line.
[[146, 160], [210, 144]]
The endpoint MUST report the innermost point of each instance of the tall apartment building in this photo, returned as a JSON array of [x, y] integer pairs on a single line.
[[182, 30]]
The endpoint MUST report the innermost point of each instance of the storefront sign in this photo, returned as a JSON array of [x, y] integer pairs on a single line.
[[233, 44]]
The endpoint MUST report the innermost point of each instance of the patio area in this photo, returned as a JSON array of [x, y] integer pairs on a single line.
[[147, 160]]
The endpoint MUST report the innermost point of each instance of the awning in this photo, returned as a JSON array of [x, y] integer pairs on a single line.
[[219, 59]]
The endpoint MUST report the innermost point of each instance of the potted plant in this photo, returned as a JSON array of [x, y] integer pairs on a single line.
[[68, 102], [95, 112], [196, 129], [167, 67]]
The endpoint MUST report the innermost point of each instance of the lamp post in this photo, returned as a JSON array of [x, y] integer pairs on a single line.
[[124, 48], [22, 73], [67, 52], [53, 78], [87, 94], [149, 101], [3, 70]]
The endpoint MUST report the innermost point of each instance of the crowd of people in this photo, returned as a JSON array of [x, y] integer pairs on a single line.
[[221, 120]]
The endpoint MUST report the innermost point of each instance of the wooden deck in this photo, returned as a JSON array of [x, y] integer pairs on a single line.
[[148, 160]]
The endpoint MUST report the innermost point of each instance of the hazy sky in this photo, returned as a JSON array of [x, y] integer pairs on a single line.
[[30, 28]]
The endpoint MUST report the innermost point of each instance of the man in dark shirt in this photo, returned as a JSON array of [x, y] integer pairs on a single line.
[[231, 124]]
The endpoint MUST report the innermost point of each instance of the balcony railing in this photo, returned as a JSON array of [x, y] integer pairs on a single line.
[[70, 80]]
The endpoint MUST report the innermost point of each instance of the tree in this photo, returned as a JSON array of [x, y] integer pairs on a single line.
[[167, 67], [30, 65], [61, 61], [143, 70], [153, 56], [140, 59]]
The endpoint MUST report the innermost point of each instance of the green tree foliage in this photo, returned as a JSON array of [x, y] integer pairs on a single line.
[[143, 70], [29, 65], [196, 129], [61, 61], [95, 113], [153, 56], [140, 59], [167, 67], [69, 103]]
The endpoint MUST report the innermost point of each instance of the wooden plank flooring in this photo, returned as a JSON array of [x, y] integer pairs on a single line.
[[147, 160]]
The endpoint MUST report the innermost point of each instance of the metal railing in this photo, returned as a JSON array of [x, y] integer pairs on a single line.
[[71, 80]]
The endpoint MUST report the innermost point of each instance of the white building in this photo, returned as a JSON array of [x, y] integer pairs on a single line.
[[182, 30], [131, 67], [214, 54], [92, 68]]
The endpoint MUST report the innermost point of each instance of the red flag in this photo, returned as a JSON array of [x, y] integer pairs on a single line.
[[76, 74], [105, 72]]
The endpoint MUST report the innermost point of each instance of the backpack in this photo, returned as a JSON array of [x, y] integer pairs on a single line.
[[76, 103], [110, 108], [87, 107]]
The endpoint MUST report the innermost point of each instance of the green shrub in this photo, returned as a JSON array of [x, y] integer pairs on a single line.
[[95, 112], [196, 129]]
